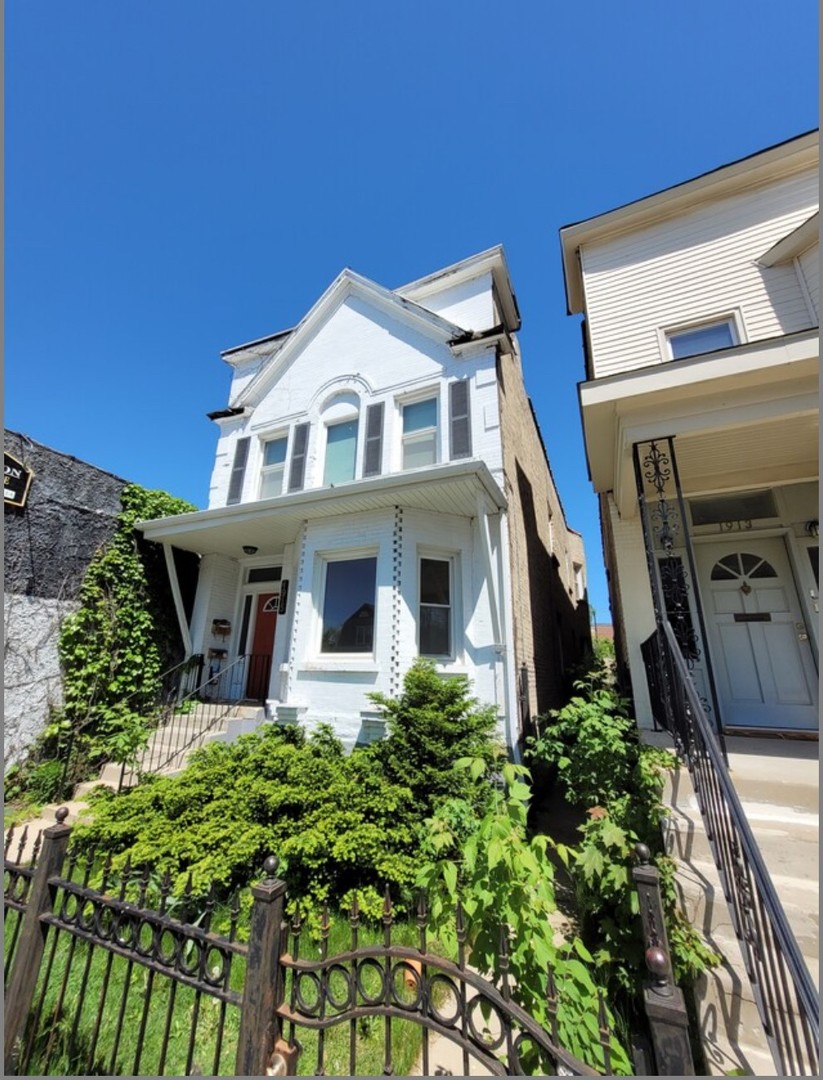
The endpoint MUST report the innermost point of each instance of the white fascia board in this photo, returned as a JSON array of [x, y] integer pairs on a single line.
[[492, 261], [794, 244], [681, 392], [759, 168], [165, 528], [348, 283], [752, 359]]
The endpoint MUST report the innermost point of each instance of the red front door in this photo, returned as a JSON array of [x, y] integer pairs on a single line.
[[259, 663]]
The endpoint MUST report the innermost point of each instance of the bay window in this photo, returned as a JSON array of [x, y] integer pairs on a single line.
[[348, 606], [435, 624]]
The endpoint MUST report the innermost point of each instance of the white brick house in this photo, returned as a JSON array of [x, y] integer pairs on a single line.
[[365, 506], [701, 312]]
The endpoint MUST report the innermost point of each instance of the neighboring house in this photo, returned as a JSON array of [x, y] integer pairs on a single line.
[[380, 492], [700, 414], [701, 323], [58, 512]]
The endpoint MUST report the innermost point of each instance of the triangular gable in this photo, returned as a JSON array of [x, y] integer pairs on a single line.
[[347, 283]]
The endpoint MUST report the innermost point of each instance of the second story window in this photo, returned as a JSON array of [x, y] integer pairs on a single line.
[[341, 449], [420, 433], [708, 337], [274, 467]]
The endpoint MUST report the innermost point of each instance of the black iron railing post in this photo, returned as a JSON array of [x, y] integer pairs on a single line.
[[32, 942], [260, 1047], [663, 1001]]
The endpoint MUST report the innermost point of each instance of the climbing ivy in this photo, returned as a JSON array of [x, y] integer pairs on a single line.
[[114, 649]]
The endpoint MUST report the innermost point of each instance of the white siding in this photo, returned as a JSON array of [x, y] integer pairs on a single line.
[[809, 267], [694, 267], [362, 351], [468, 304]]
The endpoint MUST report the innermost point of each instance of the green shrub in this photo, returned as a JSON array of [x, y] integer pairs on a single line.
[[431, 724], [608, 773], [335, 822]]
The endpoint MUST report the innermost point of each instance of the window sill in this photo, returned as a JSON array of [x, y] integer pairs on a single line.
[[340, 664]]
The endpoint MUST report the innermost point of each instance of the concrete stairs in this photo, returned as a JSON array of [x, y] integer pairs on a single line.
[[777, 782], [170, 746]]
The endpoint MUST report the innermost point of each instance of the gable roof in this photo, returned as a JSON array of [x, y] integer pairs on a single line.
[[347, 283], [794, 154]]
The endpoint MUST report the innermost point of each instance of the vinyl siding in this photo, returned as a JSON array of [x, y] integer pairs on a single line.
[[810, 269], [695, 267]]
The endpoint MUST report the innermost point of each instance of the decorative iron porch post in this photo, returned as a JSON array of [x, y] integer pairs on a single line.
[[666, 538]]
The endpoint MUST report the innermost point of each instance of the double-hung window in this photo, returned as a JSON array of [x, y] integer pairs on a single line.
[[341, 451], [274, 467], [420, 433], [348, 606], [436, 593]]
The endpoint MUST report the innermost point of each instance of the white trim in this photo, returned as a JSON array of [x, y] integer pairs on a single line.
[[452, 560], [171, 569], [732, 318], [321, 564], [804, 288]]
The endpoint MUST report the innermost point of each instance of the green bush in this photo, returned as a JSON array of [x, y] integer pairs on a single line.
[[335, 822], [608, 773], [431, 724]]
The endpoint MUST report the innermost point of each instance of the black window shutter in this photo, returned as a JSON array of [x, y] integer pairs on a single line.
[[459, 420], [373, 452], [238, 471], [297, 473]]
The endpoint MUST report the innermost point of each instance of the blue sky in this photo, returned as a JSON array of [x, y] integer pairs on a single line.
[[184, 175]]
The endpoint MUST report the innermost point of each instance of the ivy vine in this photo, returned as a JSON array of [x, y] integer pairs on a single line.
[[114, 649]]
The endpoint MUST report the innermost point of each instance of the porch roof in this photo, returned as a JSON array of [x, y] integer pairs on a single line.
[[269, 524], [746, 416]]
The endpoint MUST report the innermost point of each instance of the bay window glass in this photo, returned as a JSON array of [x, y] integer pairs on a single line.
[[341, 448], [274, 467], [348, 606], [420, 433], [435, 607]]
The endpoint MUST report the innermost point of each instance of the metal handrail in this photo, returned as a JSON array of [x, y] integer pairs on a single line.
[[199, 711], [784, 992]]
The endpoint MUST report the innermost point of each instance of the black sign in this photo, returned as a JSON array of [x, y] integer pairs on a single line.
[[16, 481], [284, 597]]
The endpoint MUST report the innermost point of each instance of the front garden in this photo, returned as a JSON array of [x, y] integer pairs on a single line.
[[437, 806]]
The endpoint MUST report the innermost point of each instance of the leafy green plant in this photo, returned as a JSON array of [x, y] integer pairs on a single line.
[[502, 876], [112, 652], [433, 722], [618, 782]]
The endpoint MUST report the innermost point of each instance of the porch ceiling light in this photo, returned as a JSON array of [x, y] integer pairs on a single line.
[[813, 528], [249, 549]]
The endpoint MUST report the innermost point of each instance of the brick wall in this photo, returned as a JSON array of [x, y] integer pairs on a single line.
[[551, 623]]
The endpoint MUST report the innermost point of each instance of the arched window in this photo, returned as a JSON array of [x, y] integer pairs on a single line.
[[340, 417]]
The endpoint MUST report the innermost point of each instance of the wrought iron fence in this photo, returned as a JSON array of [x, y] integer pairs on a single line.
[[783, 988], [17, 879], [113, 975]]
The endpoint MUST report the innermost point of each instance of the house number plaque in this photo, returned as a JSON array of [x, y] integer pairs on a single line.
[[736, 526]]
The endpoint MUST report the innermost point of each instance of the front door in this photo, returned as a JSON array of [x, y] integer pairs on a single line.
[[259, 662], [759, 641]]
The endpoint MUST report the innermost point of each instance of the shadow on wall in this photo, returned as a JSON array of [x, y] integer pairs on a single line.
[[561, 637]]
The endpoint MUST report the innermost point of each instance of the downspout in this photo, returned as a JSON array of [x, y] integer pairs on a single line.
[[178, 599]]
